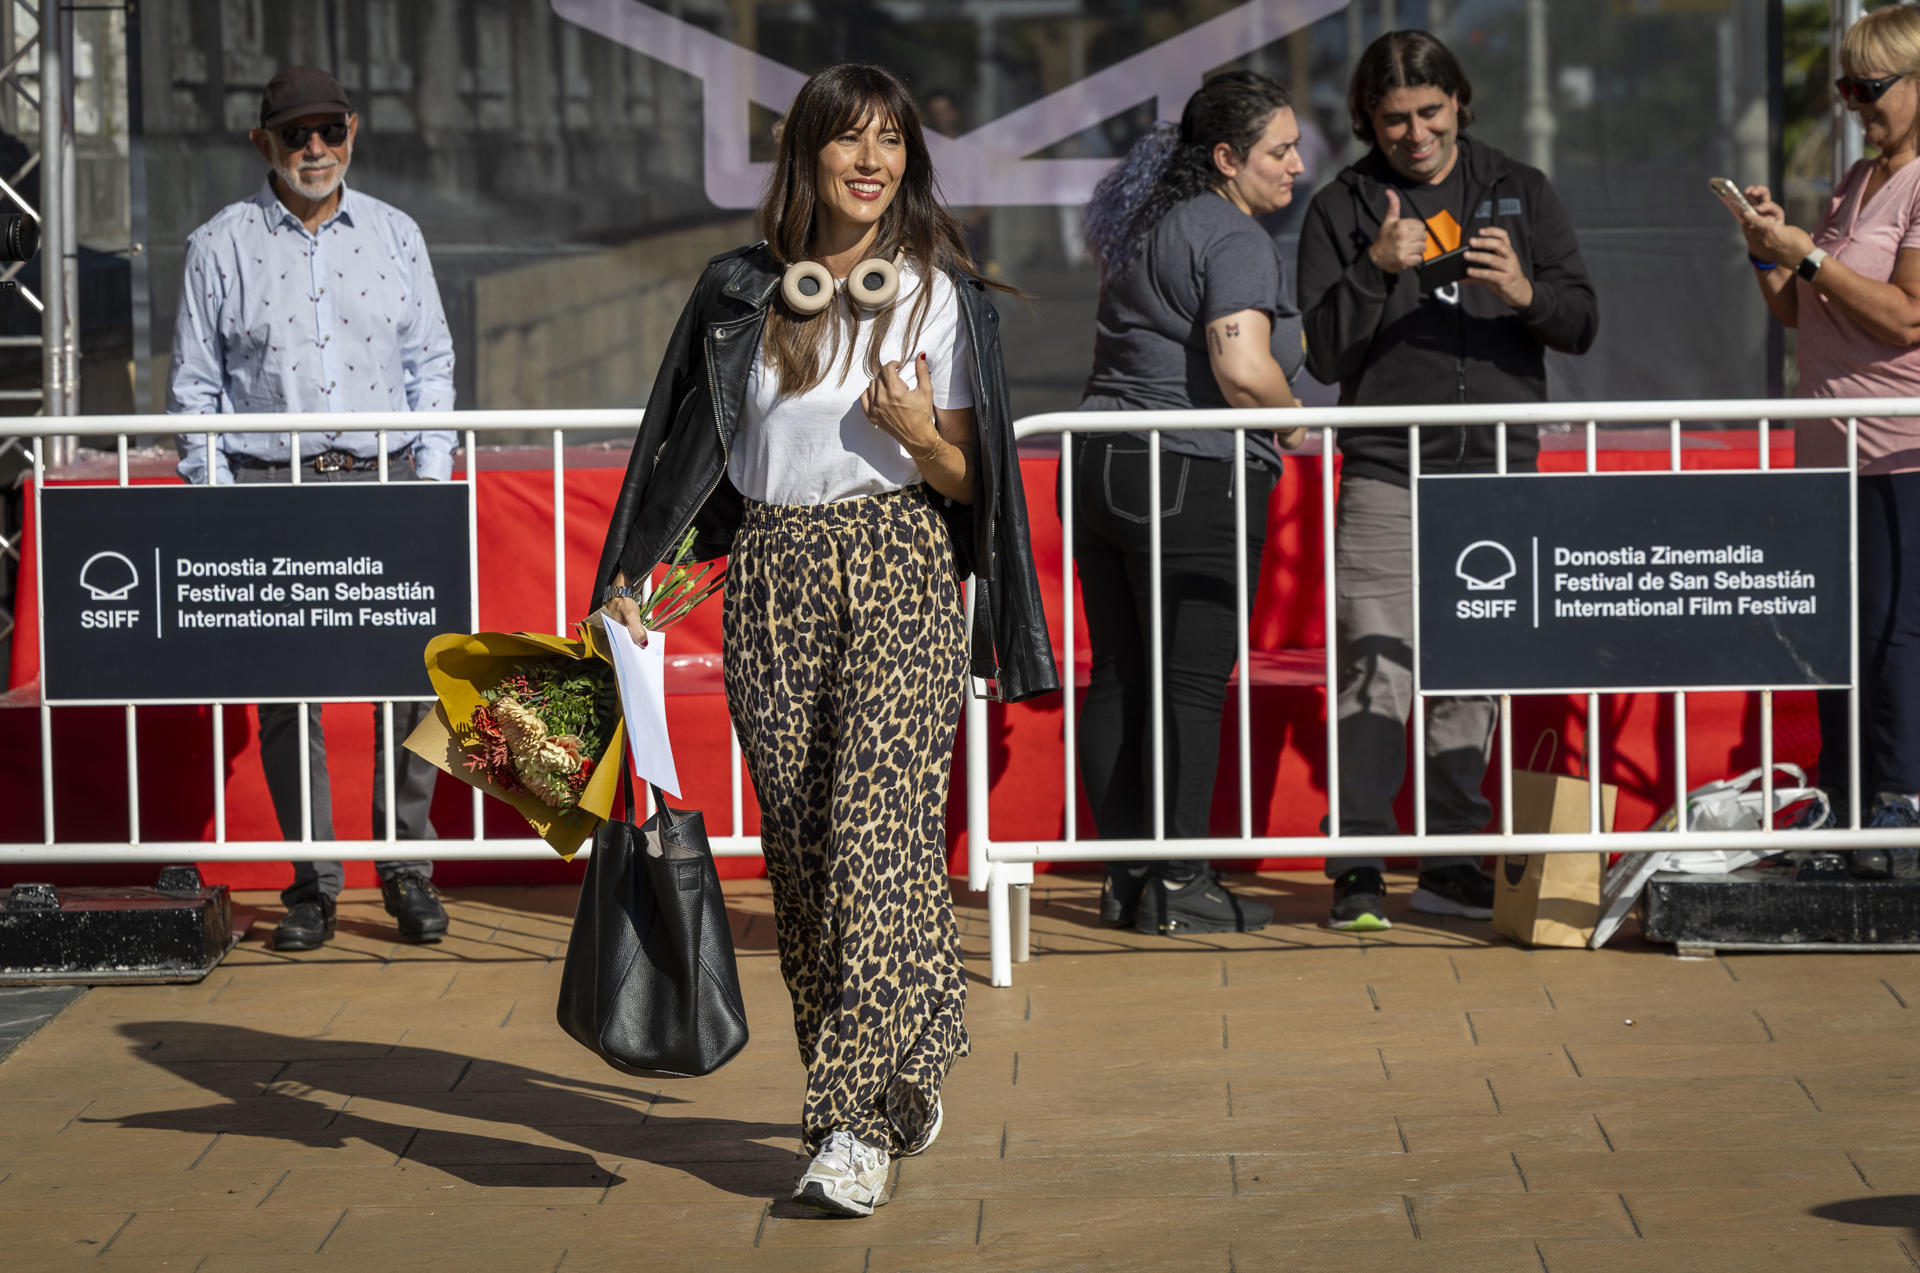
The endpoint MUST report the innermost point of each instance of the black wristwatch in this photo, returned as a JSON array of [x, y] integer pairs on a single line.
[[1810, 264], [613, 590]]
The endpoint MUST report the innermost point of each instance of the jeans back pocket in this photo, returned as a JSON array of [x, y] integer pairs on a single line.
[[1124, 482]]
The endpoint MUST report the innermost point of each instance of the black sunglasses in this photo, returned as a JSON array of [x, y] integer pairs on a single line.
[[294, 136], [1865, 92]]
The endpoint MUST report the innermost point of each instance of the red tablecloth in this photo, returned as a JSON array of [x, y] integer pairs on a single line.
[[176, 764]]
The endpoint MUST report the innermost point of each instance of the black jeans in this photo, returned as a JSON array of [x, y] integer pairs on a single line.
[[1889, 604], [1198, 640]]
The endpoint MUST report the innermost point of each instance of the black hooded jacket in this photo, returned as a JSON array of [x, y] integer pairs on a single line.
[[1389, 344], [677, 474]]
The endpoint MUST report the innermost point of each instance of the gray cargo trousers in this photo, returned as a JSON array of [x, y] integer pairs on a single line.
[[1373, 576]]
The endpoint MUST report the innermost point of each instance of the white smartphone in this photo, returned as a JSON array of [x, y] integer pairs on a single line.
[[1730, 195]]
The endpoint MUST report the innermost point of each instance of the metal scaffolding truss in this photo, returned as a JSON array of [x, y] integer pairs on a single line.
[[36, 70]]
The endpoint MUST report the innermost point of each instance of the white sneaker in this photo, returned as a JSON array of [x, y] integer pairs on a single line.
[[847, 1177], [933, 1133]]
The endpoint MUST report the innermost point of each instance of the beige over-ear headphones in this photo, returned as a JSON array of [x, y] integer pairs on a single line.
[[807, 287]]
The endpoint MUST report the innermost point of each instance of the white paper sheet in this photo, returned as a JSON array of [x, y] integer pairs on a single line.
[[641, 671]]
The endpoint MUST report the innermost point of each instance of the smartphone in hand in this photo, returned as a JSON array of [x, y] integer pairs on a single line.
[[1730, 195], [1438, 271]]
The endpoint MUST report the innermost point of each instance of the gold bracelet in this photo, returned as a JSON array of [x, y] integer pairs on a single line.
[[928, 458]]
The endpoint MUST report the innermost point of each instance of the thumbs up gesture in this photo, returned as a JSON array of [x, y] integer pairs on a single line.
[[1402, 240]]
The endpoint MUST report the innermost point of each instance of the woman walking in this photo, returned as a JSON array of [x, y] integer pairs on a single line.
[[831, 411], [1192, 315]]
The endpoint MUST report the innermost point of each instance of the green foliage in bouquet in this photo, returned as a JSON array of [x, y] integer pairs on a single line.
[[541, 727]]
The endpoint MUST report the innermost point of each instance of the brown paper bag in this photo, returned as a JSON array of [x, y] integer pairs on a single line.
[[1551, 899]]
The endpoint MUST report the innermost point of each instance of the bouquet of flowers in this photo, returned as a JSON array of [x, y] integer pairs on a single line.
[[535, 719], [529, 718], [541, 728]]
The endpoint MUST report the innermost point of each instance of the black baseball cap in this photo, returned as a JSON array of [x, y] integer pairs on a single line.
[[301, 90]]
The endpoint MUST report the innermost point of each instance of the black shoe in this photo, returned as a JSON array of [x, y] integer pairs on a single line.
[[1890, 812], [1821, 865], [1869, 864], [1202, 904], [413, 901], [307, 926], [1120, 893], [1460, 889], [1356, 902]]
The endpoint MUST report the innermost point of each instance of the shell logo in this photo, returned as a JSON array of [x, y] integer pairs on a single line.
[[1485, 566], [109, 576]]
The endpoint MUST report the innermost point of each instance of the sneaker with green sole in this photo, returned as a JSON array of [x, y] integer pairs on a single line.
[[1357, 897]]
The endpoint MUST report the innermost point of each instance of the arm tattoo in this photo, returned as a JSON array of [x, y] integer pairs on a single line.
[[1213, 340], [1233, 329]]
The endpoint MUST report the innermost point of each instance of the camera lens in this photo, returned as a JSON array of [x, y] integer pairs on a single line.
[[19, 237]]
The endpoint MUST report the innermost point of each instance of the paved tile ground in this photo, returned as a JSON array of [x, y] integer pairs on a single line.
[[1426, 1099], [24, 1009]]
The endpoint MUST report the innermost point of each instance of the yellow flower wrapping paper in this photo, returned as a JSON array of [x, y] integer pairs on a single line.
[[462, 666]]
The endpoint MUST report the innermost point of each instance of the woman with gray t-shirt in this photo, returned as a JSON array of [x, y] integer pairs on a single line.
[[1191, 317]]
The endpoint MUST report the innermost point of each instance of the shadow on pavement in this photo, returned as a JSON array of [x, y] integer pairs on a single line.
[[725, 1153], [1885, 1211]]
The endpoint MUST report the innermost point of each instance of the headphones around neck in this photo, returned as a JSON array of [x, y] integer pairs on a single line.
[[807, 287]]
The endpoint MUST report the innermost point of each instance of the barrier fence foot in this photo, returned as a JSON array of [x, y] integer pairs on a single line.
[[1022, 923], [176, 931], [999, 936]]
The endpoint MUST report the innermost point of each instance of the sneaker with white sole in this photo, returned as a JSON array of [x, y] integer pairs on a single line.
[[1460, 889], [848, 1177]]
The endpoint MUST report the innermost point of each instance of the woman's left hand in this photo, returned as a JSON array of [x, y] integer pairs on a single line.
[[903, 414]]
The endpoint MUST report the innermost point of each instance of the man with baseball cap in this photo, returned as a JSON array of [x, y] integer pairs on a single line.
[[307, 296]]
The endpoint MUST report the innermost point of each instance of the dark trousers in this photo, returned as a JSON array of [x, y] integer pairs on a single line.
[[1889, 604], [413, 777], [1198, 633]]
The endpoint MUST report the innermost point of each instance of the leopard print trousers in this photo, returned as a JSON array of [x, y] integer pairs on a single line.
[[845, 673]]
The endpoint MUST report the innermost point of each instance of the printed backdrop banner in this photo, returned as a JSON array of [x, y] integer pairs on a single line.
[[250, 593]]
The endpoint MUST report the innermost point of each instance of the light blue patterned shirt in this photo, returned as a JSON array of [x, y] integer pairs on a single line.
[[275, 319]]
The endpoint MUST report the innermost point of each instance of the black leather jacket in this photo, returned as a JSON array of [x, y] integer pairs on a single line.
[[677, 475]]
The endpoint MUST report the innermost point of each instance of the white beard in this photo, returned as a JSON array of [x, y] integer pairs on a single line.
[[289, 172]]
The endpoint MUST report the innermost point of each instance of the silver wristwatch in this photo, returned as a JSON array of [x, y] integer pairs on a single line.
[[1810, 264], [613, 590]]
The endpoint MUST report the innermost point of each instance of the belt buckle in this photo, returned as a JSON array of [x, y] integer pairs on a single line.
[[332, 462]]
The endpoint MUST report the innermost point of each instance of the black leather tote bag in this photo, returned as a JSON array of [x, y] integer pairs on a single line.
[[649, 982]]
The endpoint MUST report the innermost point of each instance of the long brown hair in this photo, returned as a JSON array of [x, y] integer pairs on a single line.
[[801, 348]]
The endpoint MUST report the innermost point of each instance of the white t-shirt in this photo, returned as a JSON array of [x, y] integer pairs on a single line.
[[819, 446]]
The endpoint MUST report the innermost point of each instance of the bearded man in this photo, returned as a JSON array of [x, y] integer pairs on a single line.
[[310, 297]]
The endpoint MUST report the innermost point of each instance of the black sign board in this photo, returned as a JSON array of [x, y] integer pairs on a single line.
[[1628, 581], [254, 593]]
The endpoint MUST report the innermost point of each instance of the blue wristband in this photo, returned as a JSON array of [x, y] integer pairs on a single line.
[[1759, 264]]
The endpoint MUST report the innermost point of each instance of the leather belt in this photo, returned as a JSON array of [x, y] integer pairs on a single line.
[[329, 461]]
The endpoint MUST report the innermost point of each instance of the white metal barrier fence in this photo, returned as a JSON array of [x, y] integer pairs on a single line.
[[1004, 868], [474, 425]]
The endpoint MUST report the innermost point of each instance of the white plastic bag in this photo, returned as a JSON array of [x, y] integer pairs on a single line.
[[1733, 804]]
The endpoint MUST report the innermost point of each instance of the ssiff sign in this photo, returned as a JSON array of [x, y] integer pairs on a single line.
[[249, 593], [1634, 581]]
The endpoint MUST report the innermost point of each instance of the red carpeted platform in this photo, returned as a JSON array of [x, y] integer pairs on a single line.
[[177, 766]]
